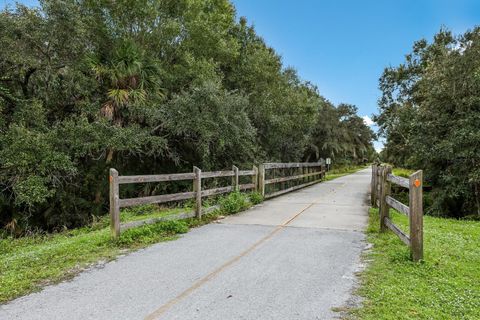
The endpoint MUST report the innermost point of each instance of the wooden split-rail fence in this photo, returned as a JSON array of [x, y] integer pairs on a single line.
[[382, 179], [261, 179]]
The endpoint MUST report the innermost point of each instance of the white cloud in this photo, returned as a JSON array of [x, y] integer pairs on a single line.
[[367, 120], [378, 145]]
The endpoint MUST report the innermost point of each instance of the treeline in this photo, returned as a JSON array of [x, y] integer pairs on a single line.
[[147, 86], [430, 116]]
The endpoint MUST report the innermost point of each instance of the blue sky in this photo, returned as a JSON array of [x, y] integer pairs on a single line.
[[343, 46]]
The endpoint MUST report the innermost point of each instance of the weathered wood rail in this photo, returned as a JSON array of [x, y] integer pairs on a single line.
[[313, 172], [382, 178], [258, 183]]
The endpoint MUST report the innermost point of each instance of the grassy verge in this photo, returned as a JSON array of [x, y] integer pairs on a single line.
[[29, 263], [401, 172], [340, 172], [444, 286]]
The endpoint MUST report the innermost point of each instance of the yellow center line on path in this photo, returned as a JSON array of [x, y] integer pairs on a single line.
[[160, 311]]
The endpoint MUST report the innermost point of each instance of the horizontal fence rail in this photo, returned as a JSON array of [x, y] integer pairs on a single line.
[[292, 165], [311, 172], [198, 193], [303, 174], [401, 181], [397, 205], [156, 178], [184, 215], [382, 179]]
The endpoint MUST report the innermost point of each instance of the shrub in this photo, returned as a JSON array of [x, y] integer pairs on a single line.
[[255, 197], [234, 202]]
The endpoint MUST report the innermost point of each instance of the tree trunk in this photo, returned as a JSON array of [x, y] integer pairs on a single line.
[[108, 160], [109, 156], [98, 196]]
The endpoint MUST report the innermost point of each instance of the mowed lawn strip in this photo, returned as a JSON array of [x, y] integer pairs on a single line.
[[446, 285]]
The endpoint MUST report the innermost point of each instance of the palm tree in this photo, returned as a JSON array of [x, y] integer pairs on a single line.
[[129, 77]]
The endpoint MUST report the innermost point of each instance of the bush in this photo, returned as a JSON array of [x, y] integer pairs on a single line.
[[402, 172], [429, 115], [234, 202], [82, 108], [255, 197]]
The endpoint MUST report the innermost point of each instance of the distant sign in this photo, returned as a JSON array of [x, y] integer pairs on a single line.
[[329, 161]]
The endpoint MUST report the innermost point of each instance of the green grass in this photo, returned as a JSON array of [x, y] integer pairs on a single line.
[[446, 285], [402, 172], [147, 212], [29, 263], [340, 172]]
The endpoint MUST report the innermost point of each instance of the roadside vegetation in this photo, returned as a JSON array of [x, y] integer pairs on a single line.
[[402, 172], [429, 115], [146, 87], [28, 263], [443, 286], [343, 171], [31, 262]]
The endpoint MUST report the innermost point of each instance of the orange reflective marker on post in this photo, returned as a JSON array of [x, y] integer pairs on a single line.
[[110, 178], [416, 183]]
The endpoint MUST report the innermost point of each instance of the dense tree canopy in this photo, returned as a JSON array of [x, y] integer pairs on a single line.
[[146, 86], [430, 115]]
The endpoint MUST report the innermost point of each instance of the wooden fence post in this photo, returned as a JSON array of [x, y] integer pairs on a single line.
[[416, 215], [197, 188], [379, 195], [255, 178], [235, 178], [373, 187], [261, 179], [377, 184], [384, 192], [114, 204]]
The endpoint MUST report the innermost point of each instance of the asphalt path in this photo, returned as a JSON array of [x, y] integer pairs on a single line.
[[291, 257]]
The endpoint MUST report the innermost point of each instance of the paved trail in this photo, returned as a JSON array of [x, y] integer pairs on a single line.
[[292, 257]]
